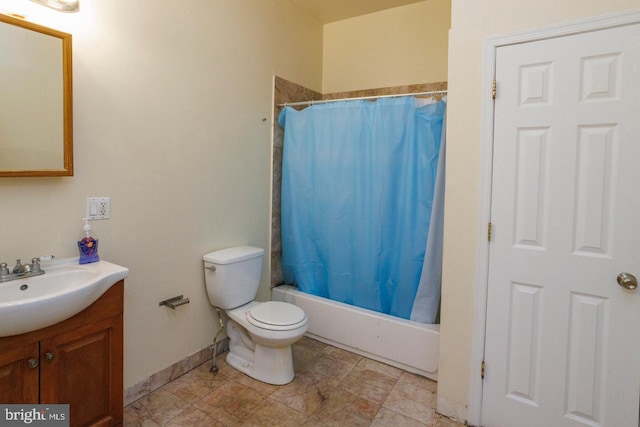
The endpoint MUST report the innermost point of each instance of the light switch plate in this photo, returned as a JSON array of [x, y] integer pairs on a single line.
[[98, 207]]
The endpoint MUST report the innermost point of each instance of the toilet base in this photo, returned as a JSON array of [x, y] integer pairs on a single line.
[[272, 365]]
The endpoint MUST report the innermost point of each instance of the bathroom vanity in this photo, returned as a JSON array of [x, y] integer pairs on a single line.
[[78, 361]]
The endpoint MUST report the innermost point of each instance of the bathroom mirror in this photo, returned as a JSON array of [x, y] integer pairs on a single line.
[[36, 123]]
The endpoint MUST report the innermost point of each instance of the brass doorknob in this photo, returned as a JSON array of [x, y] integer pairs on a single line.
[[627, 280]]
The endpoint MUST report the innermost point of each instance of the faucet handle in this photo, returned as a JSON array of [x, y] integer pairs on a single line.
[[35, 265], [4, 270]]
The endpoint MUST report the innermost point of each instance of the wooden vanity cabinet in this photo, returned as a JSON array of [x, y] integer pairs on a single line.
[[78, 361], [19, 383]]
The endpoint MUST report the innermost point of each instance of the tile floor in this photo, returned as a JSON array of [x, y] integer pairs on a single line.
[[333, 387]]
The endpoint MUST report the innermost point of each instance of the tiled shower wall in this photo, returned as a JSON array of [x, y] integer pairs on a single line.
[[286, 91]]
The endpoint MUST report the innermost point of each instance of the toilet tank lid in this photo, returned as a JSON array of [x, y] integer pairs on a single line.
[[231, 255]]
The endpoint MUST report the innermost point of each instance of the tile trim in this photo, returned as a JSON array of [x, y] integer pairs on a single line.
[[165, 376]]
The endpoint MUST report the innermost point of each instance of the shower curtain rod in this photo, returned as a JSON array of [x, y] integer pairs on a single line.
[[325, 101]]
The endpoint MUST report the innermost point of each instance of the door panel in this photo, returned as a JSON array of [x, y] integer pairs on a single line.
[[562, 336], [19, 374], [78, 372]]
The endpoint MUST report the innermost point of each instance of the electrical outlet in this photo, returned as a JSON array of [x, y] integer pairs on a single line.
[[98, 207]]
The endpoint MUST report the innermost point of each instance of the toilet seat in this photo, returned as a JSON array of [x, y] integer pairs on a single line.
[[276, 316]]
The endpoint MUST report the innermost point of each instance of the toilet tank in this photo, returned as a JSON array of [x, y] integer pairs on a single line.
[[234, 279]]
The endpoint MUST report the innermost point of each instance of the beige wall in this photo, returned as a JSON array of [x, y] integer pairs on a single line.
[[401, 46], [471, 21], [169, 102]]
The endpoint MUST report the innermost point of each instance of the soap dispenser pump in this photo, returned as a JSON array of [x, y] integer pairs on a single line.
[[88, 244]]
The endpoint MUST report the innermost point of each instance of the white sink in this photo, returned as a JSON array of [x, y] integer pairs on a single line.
[[64, 290]]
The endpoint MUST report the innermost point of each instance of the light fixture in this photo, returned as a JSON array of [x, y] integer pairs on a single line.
[[61, 5]]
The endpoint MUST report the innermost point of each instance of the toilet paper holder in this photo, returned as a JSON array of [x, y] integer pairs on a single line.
[[174, 302]]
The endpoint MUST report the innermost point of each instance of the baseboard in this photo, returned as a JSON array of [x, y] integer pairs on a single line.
[[455, 411], [165, 376]]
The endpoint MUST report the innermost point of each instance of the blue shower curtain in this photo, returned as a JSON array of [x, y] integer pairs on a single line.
[[358, 186]]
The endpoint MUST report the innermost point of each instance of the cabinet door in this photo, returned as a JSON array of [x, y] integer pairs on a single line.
[[19, 374], [84, 369]]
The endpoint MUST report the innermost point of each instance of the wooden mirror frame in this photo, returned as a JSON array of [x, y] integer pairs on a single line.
[[67, 107]]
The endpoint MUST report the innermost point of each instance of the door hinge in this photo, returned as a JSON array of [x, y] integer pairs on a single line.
[[482, 370], [494, 89], [489, 229]]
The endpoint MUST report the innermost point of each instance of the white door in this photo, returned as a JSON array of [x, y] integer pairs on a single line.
[[563, 336]]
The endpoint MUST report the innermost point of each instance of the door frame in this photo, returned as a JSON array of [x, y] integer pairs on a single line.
[[481, 286]]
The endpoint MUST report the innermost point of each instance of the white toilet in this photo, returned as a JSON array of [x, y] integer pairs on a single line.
[[260, 333]]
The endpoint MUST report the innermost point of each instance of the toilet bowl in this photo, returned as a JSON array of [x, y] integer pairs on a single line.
[[260, 333], [260, 346]]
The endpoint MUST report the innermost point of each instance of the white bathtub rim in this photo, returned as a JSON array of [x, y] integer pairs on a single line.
[[378, 333]]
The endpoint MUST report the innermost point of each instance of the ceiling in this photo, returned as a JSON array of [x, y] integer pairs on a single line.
[[336, 10]]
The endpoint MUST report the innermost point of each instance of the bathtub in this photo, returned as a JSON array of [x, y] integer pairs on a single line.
[[397, 342]]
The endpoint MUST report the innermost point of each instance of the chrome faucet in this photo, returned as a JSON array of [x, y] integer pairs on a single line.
[[20, 270], [35, 265]]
